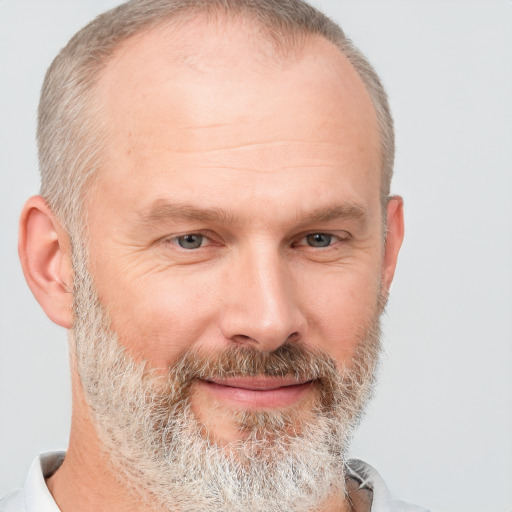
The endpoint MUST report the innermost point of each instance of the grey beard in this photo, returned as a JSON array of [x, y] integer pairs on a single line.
[[284, 461]]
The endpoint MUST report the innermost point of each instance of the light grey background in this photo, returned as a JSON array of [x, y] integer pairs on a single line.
[[440, 427]]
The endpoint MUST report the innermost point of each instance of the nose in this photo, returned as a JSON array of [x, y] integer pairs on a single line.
[[261, 307]]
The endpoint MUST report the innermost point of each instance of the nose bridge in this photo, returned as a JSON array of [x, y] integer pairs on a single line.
[[262, 308]]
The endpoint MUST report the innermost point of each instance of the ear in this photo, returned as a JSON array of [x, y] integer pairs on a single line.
[[45, 253], [394, 238]]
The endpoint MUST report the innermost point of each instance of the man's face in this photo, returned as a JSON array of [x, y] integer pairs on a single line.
[[237, 255], [239, 206]]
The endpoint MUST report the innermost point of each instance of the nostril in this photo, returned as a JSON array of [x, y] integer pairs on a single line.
[[293, 338], [242, 338]]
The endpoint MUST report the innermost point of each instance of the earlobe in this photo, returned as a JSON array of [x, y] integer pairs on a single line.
[[394, 238], [45, 255]]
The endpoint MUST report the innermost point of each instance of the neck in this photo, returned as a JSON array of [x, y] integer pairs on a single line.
[[86, 479]]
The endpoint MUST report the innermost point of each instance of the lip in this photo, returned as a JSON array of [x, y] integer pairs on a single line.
[[257, 392]]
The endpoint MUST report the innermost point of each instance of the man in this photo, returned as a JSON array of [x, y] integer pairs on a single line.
[[215, 231]]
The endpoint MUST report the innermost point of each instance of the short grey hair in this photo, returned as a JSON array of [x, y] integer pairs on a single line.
[[70, 133]]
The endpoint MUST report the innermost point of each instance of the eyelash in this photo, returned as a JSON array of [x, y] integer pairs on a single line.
[[332, 239], [208, 238], [204, 237]]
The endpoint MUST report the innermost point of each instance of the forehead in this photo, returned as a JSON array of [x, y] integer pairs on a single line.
[[210, 96]]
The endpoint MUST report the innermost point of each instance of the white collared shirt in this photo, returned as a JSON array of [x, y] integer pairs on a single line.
[[34, 496]]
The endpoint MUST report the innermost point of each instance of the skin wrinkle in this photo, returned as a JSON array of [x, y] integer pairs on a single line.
[[345, 259], [261, 170], [247, 145], [239, 149]]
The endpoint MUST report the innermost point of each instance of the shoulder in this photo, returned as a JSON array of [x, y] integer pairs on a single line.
[[13, 502], [382, 501], [34, 496]]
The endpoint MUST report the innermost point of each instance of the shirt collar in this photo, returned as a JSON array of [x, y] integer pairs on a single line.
[[37, 496]]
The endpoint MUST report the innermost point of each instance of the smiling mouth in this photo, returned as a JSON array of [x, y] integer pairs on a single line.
[[258, 392]]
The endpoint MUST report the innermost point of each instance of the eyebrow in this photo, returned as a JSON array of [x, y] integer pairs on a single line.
[[162, 210], [348, 211]]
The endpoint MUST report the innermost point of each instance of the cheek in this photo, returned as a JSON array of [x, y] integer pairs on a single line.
[[160, 317], [341, 310]]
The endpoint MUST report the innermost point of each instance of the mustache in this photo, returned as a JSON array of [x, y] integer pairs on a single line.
[[290, 359]]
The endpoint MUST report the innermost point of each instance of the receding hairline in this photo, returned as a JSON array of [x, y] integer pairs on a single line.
[[198, 53], [179, 34], [83, 61], [182, 29]]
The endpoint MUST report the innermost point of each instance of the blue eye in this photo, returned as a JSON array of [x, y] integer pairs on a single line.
[[191, 241], [319, 239]]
